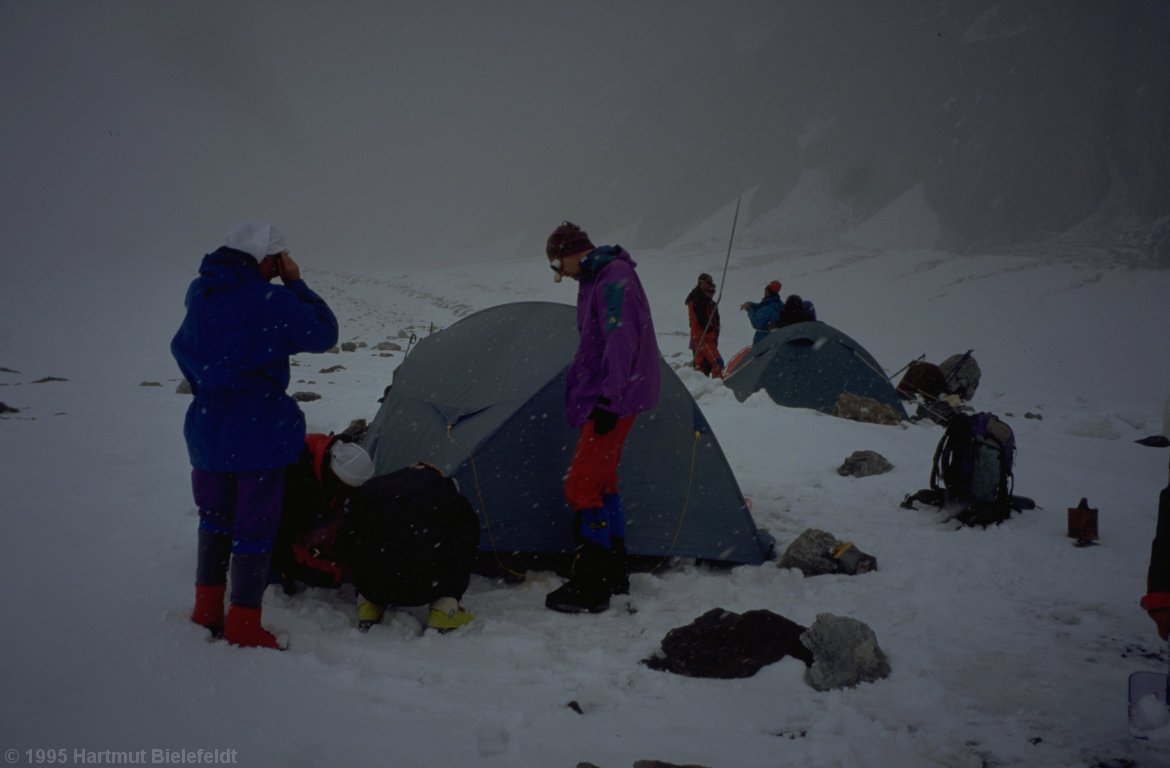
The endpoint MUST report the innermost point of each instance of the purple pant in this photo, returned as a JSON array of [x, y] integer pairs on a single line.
[[239, 514]]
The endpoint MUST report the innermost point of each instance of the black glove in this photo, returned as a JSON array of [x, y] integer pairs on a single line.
[[603, 420]]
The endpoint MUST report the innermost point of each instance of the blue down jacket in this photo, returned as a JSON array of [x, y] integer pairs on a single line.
[[233, 347], [763, 315]]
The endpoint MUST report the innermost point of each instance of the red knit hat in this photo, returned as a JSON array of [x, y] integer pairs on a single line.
[[773, 287], [566, 240]]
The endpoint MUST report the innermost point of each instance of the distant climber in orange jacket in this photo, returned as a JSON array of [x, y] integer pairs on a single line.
[[704, 320]]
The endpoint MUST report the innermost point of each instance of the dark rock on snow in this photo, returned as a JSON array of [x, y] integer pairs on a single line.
[[722, 644]]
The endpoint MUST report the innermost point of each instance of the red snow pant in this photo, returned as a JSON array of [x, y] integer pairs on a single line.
[[707, 358], [593, 471]]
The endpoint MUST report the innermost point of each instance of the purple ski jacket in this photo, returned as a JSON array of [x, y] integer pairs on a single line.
[[617, 356]]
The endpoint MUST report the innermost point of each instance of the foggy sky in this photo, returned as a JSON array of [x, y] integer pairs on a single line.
[[137, 133]]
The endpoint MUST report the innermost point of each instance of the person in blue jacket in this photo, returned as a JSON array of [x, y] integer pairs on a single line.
[[242, 429], [765, 313]]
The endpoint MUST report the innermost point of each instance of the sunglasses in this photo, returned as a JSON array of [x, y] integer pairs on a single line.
[[558, 267]]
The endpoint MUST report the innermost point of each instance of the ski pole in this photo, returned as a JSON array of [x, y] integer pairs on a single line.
[[956, 367], [907, 365], [723, 277]]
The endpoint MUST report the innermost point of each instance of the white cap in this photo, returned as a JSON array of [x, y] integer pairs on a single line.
[[256, 238], [351, 463]]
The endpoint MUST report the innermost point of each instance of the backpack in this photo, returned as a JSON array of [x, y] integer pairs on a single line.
[[922, 378], [972, 471], [796, 310], [305, 548], [962, 375]]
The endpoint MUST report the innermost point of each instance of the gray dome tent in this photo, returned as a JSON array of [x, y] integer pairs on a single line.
[[809, 365], [484, 401]]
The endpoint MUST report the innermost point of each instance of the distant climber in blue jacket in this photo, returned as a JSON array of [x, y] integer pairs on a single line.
[[242, 428], [765, 313]]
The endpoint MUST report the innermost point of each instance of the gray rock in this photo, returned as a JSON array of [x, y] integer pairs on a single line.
[[809, 553], [858, 408], [356, 431], [349, 346], [150, 384], [962, 374], [845, 652], [864, 464], [184, 388], [305, 397], [387, 346]]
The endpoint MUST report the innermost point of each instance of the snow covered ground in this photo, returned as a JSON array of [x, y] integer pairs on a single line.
[[1009, 646]]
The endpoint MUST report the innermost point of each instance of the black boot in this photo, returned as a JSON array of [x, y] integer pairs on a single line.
[[619, 571], [588, 587]]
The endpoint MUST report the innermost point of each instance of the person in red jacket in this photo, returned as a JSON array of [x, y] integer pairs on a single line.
[[703, 314], [1157, 598], [317, 490]]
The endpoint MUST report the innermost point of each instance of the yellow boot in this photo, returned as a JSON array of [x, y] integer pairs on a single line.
[[447, 614], [369, 613]]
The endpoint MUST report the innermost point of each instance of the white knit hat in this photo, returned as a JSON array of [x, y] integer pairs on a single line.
[[351, 463], [256, 238]]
